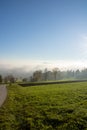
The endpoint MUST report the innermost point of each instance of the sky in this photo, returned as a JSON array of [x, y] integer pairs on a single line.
[[43, 32]]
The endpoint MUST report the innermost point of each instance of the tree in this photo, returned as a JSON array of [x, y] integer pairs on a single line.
[[37, 75], [1, 79], [31, 79], [24, 79], [55, 70], [9, 78], [45, 74], [77, 73], [6, 79]]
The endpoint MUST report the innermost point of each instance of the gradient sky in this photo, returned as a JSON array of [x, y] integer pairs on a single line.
[[43, 30]]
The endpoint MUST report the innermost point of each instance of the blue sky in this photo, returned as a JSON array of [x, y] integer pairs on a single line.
[[43, 30]]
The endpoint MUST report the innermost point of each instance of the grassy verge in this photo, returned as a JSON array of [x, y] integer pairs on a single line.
[[51, 107]]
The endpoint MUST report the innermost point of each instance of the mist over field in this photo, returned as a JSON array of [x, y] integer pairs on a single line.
[[32, 65], [44, 70], [43, 64]]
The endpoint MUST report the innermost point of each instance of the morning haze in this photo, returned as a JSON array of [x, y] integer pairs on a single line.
[[43, 64]]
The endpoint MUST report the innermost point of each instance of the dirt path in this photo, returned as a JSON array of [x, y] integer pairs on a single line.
[[3, 94]]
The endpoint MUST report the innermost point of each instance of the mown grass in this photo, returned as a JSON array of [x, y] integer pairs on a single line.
[[47, 107]]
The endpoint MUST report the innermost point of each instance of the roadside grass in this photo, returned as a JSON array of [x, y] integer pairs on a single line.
[[47, 107]]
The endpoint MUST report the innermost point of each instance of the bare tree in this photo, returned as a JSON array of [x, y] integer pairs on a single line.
[[9, 78], [6, 79], [55, 70], [1, 79], [37, 75], [24, 79], [45, 74]]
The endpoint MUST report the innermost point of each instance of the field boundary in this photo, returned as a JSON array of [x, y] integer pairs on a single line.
[[47, 83]]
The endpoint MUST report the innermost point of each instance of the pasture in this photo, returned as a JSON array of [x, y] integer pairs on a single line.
[[46, 107]]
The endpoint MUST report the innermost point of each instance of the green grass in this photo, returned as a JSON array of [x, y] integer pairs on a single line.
[[47, 107]]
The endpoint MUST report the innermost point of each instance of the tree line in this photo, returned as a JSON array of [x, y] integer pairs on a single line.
[[47, 75], [7, 79], [57, 74]]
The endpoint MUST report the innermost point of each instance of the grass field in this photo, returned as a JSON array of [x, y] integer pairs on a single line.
[[47, 107]]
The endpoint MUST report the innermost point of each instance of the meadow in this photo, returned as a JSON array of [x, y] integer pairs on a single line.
[[46, 107]]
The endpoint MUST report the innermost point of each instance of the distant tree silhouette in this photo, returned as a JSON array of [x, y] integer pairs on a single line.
[[55, 70], [9, 78], [6, 79], [37, 75], [45, 74], [1, 79], [24, 79]]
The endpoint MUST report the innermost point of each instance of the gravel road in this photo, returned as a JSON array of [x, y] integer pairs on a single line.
[[3, 94]]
